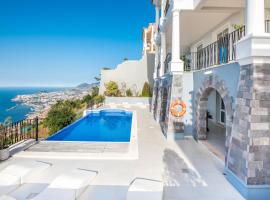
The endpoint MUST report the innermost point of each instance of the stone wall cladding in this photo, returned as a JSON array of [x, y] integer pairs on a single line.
[[158, 101], [249, 154], [175, 124], [154, 97], [173, 85]]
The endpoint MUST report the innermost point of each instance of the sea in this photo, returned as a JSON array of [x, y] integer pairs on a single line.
[[18, 111]]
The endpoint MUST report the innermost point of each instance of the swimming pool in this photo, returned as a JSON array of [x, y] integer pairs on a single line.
[[98, 126]]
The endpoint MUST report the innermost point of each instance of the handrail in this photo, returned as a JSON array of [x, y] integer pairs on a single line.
[[219, 52], [19, 131]]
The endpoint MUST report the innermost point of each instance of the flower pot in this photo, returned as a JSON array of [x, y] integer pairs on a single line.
[[4, 154]]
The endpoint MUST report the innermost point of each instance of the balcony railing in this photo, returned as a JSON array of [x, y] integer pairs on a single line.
[[166, 63], [19, 131], [219, 52], [167, 6]]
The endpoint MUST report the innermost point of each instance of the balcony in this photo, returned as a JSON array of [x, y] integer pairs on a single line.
[[219, 52]]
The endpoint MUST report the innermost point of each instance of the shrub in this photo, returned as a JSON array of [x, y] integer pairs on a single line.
[[95, 91], [146, 91], [99, 99], [112, 89], [86, 99], [59, 116], [129, 93]]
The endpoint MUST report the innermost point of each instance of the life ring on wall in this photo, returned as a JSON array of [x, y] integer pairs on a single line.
[[173, 108]]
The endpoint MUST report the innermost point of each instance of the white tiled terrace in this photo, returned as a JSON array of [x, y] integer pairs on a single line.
[[187, 168]]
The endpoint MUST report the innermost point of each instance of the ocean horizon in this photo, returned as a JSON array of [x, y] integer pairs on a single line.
[[16, 110]]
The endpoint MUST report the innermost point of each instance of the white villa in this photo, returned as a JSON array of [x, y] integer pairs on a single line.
[[213, 59], [205, 133]]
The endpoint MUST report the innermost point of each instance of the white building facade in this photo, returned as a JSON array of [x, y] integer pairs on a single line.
[[214, 57], [133, 74]]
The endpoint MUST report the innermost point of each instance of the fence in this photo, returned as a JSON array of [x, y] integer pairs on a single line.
[[20, 131], [220, 52]]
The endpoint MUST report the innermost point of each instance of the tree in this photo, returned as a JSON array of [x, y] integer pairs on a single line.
[[129, 93], [95, 91], [97, 78], [111, 89], [106, 68], [146, 91], [98, 100], [60, 115], [86, 98]]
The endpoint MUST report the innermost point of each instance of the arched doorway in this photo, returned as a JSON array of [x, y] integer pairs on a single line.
[[214, 115]]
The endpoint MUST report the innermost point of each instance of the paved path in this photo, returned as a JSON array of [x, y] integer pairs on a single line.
[[188, 170], [192, 172]]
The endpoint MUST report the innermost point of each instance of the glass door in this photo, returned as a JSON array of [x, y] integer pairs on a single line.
[[222, 112], [223, 45]]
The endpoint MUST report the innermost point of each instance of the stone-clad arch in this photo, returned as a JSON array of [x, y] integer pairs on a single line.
[[209, 84]]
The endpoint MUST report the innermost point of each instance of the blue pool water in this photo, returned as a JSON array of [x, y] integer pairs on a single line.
[[98, 126]]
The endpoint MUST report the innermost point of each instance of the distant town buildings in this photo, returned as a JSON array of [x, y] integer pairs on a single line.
[[42, 102]]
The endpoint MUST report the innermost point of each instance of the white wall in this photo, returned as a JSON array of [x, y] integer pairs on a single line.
[[211, 36], [130, 74], [128, 100]]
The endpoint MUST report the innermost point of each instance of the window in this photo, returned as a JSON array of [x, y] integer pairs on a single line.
[[222, 112]]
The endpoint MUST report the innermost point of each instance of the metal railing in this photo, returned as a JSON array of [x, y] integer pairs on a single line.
[[219, 52], [19, 131], [167, 62]]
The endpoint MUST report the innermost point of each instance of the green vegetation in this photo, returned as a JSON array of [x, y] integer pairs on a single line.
[[60, 115], [98, 100], [66, 112], [237, 26], [5, 141], [146, 91], [129, 93], [112, 89]]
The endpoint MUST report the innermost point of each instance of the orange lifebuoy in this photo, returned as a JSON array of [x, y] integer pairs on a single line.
[[174, 111]]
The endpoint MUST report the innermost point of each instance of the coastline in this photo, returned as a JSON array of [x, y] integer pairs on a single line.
[[41, 102]]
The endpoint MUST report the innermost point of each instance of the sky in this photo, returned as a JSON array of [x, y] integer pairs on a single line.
[[64, 43]]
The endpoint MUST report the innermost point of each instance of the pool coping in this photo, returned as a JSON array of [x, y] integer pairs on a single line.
[[131, 154]]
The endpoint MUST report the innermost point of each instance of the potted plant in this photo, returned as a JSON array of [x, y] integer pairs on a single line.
[[4, 145]]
